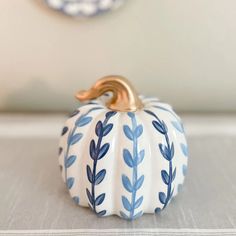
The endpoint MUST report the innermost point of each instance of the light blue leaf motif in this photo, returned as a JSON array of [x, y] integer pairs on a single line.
[[123, 215], [71, 159], [138, 131], [126, 203], [75, 138], [72, 139], [127, 184], [70, 181], [184, 149], [139, 214], [128, 132], [128, 158], [139, 183], [184, 169], [178, 126], [83, 120], [139, 157], [138, 202], [132, 160]]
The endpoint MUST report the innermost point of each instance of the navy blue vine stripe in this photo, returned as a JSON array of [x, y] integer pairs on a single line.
[[72, 139], [167, 151], [132, 161], [97, 152]]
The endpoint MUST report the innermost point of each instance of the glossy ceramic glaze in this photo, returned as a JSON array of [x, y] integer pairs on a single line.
[[123, 163]]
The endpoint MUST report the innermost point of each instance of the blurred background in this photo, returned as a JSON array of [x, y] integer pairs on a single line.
[[180, 51]]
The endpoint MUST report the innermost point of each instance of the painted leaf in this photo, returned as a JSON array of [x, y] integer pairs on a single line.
[[123, 215], [89, 196], [71, 159], [162, 197], [126, 203], [99, 200], [164, 151], [70, 181], [110, 114], [102, 213], [100, 176], [74, 113], [76, 200], [128, 158], [138, 131], [174, 174], [89, 174], [60, 150], [103, 151], [99, 128], [64, 130], [158, 210], [172, 151], [159, 127], [184, 170], [127, 184], [75, 138], [107, 129], [140, 157], [184, 149], [165, 177], [128, 132], [178, 126], [150, 113], [137, 215], [83, 120], [139, 182], [92, 149], [131, 114], [138, 202]]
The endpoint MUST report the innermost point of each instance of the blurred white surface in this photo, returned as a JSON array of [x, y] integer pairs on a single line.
[[181, 51]]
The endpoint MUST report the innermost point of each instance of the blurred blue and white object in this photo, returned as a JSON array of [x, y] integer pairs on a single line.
[[84, 8]]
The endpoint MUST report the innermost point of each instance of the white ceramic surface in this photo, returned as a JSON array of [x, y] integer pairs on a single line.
[[123, 163]]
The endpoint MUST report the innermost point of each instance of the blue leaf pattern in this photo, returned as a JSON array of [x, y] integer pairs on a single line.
[[71, 159], [178, 126], [98, 151], [184, 149], [167, 151], [132, 161], [74, 138]]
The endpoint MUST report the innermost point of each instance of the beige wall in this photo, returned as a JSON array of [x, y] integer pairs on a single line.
[[181, 51]]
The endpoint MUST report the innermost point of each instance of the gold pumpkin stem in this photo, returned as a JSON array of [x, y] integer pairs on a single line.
[[125, 98]]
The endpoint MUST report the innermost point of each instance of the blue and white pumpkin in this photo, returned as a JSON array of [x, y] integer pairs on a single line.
[[123, 162]]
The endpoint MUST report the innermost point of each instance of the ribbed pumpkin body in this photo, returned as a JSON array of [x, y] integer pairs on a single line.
[[123, 163]]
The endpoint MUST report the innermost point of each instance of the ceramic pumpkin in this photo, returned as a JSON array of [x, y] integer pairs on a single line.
[[124, 155]]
